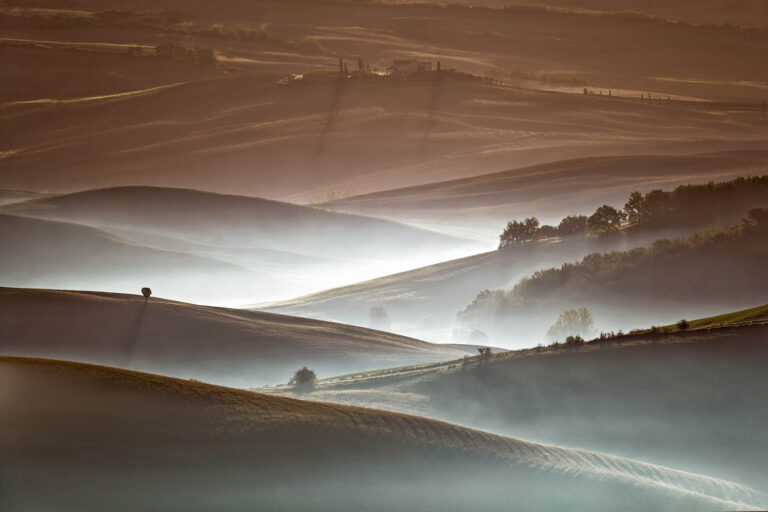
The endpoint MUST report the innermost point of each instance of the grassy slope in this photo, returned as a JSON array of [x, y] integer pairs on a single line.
[[692, 399], [757, 314], [219, 345], [121, 440]]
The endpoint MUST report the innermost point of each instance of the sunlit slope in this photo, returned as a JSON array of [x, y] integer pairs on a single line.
[[237, 222], [41, 253], [693, 399], [758, 314], [116, 440], [251, 135], [547, 190], [220, 345]]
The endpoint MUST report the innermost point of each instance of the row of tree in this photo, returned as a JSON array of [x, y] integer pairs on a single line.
[[687, 205]]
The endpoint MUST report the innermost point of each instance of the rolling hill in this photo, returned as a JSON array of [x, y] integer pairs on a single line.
[[40, 253], [546, 190], [258, 250], [235, 221], [252, 135], [689, 398], [224, 346], [116, 440]]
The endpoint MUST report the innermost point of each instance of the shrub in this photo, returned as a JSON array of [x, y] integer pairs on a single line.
[[683, 324], [484, 352], [304, 380], [574, 340]]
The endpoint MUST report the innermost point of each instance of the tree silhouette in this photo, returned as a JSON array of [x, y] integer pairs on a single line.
[[146, 292], [605, 220], [572, 224], [484, 352], [304, 380], [517, 232], [633, 208]]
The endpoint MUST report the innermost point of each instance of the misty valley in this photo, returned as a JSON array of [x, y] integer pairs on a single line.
[[365, 255]]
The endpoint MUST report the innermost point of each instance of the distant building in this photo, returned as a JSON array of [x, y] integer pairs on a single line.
[[405, 67]]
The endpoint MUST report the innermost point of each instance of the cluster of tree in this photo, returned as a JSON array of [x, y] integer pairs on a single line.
[[687, 205], [204, 56], [697, 204], [530, 229], [707, 266]]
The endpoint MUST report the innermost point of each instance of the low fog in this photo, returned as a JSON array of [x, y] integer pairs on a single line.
[[692, 401]]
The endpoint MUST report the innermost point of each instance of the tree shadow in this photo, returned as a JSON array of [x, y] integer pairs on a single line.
[[436, 92], [339, 84], [133, 333]]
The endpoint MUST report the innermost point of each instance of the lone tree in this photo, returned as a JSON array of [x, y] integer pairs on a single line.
[[303, 381], [573, 323], [146, 292]]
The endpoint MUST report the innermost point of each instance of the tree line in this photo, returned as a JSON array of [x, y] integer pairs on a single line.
[[713, 265], [686, 205]]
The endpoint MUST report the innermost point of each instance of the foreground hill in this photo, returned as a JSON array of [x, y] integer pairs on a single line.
[[96, 437], [546, 190], [220, 345], [689, 398]]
